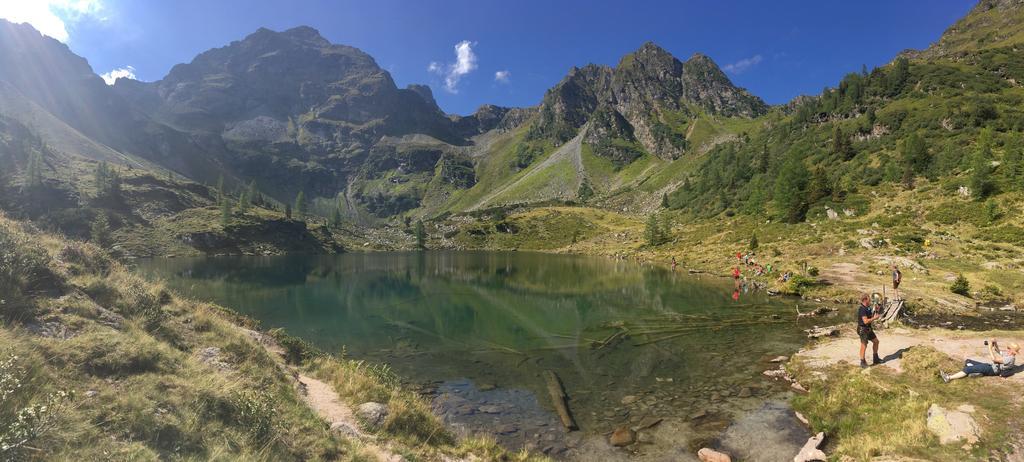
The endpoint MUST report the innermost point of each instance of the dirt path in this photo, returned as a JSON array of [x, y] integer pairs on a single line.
[[895, 342], [322, 399]]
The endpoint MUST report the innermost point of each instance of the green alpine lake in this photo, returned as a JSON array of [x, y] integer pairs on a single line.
[[475, 331]]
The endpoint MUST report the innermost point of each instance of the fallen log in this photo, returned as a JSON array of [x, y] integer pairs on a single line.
[[558, 398], [819, 332]]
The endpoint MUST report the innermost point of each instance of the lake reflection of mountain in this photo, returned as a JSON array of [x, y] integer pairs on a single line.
[[494, 317]]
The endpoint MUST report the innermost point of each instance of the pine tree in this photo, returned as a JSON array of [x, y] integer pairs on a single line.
[[99, 231], [220, 189], [896, 79], [753, 242], [288, 211], [34, 173], [664, 200], [763, 160], [820, 187], [1013, 162], [336, 217], [243, 201], [841, 145], [914, 157], [251, 194], [421, 235], [225, 213], [790, 190], [655, 231], [107, 182], [300, 206]]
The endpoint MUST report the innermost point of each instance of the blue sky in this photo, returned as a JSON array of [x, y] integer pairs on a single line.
[[776, 49]]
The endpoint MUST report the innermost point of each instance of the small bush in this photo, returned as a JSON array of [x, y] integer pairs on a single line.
[[812, 271], [24, 272], [24, 417], [296, 350], [410, 418], [254, 411], [797, 283], [961, 286], [83, 259]]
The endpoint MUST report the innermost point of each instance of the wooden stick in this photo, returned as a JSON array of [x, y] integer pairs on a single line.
[[558, 398]]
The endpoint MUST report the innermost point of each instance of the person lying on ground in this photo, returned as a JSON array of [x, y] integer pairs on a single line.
[[1002, 363]]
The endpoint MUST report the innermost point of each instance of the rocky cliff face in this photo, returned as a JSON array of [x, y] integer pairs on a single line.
[[645, 99], [271, 80]]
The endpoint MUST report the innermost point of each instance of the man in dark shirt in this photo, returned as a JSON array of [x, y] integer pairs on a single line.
[[865, 317]]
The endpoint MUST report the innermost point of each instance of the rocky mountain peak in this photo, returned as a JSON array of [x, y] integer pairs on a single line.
[[425, 92], [633, 100]]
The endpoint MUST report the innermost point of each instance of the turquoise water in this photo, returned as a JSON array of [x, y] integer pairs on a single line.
[[495, 320]]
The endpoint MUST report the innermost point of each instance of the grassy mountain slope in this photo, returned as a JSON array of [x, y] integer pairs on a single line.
[[918, 163]]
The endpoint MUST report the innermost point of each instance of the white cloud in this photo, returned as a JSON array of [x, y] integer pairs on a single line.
[[502, 76], [742, 65], [51, 17], [465, 62], [114, 74]]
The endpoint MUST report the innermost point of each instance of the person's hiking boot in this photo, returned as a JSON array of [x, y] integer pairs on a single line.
[[863, 364], [945, 377], [876, 360]]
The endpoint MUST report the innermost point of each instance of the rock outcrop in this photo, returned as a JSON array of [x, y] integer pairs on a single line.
[[953, 426], [646, 99]]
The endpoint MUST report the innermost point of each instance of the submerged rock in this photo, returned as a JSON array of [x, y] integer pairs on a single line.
[[622, 436], [711, 455]]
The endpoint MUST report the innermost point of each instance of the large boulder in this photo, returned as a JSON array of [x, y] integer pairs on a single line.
[[953, 426], [372, 414]]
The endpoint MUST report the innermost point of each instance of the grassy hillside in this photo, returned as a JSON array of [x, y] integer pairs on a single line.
[[97, 363], [933, 234], [139, 210]]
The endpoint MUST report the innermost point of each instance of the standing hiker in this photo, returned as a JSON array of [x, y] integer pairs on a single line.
[[674, 263], [865, 317], [897, 278]]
